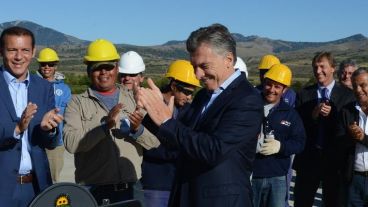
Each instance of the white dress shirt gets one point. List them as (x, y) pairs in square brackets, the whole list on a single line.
[(18, 92), (361, 151)]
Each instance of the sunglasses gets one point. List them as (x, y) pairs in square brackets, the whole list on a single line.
[(106, 67), (181, 89), (48, 64), (129, 75)]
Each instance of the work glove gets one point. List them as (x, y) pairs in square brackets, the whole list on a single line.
[(270, 146)]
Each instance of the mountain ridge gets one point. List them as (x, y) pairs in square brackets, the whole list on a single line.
[(296, 54), (62, 38)]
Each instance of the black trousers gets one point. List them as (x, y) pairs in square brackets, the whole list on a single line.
[(308, 180)]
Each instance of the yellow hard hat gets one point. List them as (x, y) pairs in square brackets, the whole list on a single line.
[(267, 62), (101, 50), (47, 55), (182, 71), (280, 73)]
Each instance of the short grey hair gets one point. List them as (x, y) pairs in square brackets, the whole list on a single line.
[(217, 36), (346, 63), (359, 71)]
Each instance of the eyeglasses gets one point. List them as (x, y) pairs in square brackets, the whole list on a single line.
[(186, 92), (48, 64)]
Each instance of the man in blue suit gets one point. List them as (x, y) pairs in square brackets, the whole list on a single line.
[(217, 136), (28, 121)]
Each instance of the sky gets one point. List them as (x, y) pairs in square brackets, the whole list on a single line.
[(154, 22)]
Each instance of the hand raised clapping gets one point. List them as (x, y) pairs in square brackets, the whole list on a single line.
[(51, 120), (151, 100)]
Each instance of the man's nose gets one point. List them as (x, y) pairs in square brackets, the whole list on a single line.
[(199, 73), (18, 55)]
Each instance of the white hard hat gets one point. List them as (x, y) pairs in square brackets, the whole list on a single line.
[(240, 64), (131, 63)]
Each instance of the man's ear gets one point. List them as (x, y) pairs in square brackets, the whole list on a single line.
[(284, 90), (141, 78), (34, 52), (229, 58), (172, 86)]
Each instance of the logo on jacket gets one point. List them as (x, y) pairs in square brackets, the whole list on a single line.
[(63, 200), (286, 123), (58, 92)]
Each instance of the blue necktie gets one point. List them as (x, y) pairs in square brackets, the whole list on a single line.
[(324, 95), (321, 121)]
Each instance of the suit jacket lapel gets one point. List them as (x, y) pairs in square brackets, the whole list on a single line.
[(32, 91), (334, 93), (197, 113), (356, 115), (314, 94), (221, 100), (6, 98)]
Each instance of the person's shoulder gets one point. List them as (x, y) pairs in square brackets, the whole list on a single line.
[(284, 106), (81, 98), (349, 107), (65, 86), (344, 93), (85, 94), (38, 81), (36, 78), (246, 93), (348, 111), (290, 91), (343, 89), (124, 91), (244, 85), (307, 91), (309, 88)]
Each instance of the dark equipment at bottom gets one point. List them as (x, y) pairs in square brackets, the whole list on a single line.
[(73, 195)]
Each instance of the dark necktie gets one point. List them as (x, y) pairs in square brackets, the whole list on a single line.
[(324, 95), (321, 122), (202, 108)]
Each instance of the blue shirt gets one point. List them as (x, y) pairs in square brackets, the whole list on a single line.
[(18, 92), (62, 97), (112, 100), (223, 86)]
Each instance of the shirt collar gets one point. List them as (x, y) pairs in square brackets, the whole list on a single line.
[(228, 81), (329, 86), (359, 108), (362, 115), (9, 78)]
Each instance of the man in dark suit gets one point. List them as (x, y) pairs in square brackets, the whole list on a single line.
[(28, 121), (352, 130), (318, 106), (217, 136)]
